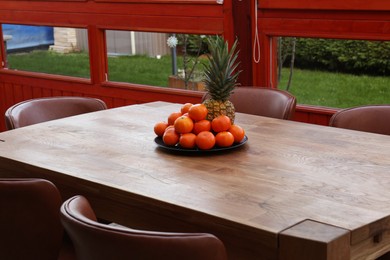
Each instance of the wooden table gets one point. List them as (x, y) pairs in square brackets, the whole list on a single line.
[(293, 191)]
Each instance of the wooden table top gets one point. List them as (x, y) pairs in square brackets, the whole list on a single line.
[(287, 173)]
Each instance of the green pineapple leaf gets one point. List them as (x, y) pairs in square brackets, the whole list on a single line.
[(221, 73)]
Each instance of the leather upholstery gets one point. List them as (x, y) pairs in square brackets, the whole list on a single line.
[(267, 102), (93, 240), (30, 226), (44, 109), (373, 118)]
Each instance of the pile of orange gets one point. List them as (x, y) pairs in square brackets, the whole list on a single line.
[(190, 129)]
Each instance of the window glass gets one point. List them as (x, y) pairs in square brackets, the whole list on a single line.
[(53, 50), (157, 59), (335, 73)]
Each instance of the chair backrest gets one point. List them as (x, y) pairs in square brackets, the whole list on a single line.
[(30, 226), (93, 240), (39, 110), (267, 102), (373, 118)]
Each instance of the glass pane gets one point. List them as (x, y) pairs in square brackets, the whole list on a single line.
[(157, 59), (335, 73), (53, 50)]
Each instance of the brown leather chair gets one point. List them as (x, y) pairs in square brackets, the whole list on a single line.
[(93, 240), (373, 118), (30, 226), (39, 110), (267, 102)]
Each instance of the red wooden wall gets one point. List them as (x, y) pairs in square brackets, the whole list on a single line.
[(201, 16), (348, 19)]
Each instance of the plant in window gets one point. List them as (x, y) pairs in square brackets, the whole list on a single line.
[(192, 47)]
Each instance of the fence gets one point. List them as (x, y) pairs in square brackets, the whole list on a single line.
[(129, 42)]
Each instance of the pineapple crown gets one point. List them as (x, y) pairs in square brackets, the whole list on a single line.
[(221, 72)]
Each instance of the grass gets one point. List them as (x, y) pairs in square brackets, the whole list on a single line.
[(140, 69), (337, 89), (310, 87), (72, 64)]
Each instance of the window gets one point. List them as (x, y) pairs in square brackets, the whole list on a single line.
[(45, 49), (157, 59), (335, 73)]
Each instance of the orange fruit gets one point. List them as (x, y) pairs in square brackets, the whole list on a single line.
[(184, 109), (187, 140), (170, 137), (205, 140), (183, 124), (202, 125), (221, 123), (238, 132), (169, 128), (197, 112), (172, 117), (159, 128), (224, 139)]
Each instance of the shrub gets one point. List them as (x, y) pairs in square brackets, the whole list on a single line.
[(347, 56)]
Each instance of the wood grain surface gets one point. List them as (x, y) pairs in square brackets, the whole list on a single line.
[(287, 175)]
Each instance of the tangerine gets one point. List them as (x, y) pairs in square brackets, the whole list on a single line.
[(187, 140), (221, 123), (224, 139), (202, 125), (172, 117), (184, 109), (183, 124), (238, 133), (169, 128), (170, 137), (197, 112), (205, 140), (159, 128)]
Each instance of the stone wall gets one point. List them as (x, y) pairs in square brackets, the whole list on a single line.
[(65, 40)]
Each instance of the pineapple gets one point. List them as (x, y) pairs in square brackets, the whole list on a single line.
[(220, 78)]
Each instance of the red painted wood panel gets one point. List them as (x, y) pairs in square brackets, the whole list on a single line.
[(189, 8), (243, 12), (352, 19), (326, 4), (114, 94), (327, 28), (348, 19), (205, 16), (314, 115)]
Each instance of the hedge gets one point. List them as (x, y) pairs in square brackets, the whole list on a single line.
[(347, 56)]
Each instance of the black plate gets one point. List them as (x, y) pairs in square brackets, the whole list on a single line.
[(177, 147)]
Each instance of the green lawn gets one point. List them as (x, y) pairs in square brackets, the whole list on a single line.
[(310, 87), (336, 89), (140, 69), (72, 64)]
